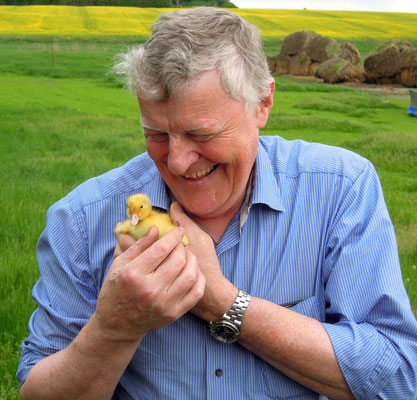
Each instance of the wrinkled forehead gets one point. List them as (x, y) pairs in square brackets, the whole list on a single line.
[(178, 86)]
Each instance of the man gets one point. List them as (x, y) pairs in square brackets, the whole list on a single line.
[(292, 256)]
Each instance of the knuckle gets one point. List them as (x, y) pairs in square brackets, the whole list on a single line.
[(200, 288), (161, 310), (163, 247), (127, 277), (146, 296), (171, 315), (179, 259), (190, 279)]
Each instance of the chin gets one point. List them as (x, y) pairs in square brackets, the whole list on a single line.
[(201, 210), (207, 209)]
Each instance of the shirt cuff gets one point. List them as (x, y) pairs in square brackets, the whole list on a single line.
[(367, 358)]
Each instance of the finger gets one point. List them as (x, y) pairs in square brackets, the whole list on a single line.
[(154, 255), (176, 212), (188, 301), (138, 247), (124, 240), (171, 267), (194, 294), (117, 251), (186, 277), (179, 217)]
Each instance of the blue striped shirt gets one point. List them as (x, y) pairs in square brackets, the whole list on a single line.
[(317, 236)]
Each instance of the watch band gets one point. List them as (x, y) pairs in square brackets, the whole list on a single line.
[(235, 314), (227, 329)]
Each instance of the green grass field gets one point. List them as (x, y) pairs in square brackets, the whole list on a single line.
[(63, 119)]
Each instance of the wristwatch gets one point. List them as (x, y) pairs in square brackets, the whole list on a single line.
[(227, 328)]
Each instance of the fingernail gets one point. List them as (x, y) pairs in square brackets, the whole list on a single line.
[(177, 207)]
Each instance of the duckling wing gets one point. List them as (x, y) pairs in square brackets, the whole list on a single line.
[(164, 223), (142, 228), (123, 227)]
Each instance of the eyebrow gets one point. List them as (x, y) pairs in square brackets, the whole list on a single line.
[(149, 127), (217, 127)]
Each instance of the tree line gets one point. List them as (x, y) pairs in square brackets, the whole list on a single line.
[(122, 3)]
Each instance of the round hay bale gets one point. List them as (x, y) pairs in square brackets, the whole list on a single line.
[(321, 48), (337, 69), (296, 43), (409, 76), (279, 64), (301, 64), (410, 59), (387, 61), (350, 53)]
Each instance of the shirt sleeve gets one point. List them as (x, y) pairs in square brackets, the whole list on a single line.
[(368, 317), (66, 293)]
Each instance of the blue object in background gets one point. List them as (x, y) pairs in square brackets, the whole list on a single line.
[(412, 110)]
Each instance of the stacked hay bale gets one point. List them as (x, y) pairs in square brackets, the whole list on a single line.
[(307, 53), (392, 63)]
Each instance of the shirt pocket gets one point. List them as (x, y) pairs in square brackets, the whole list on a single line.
[(310, 307), (278, 385)]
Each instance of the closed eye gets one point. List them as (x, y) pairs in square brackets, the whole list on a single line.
[(200, 137), (156, 137)]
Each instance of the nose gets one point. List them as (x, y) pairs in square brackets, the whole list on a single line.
[(181, 155)]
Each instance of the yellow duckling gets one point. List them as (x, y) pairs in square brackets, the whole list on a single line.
[(143, 218)]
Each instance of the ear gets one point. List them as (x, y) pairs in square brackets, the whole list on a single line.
[(264, 106)]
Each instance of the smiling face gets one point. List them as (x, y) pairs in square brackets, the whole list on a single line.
[(204, 144)]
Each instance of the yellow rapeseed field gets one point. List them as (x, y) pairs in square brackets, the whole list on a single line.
[(130, 21)]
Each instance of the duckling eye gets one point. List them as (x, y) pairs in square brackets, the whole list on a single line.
[(141, 206)]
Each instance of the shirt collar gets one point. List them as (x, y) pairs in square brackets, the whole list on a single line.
[(160, 194), (265, 188)]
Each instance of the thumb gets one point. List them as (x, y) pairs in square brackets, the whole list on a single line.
[(176, 212), (178, 215), (192, 230)]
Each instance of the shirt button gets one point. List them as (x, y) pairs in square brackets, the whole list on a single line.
[(219, 372)]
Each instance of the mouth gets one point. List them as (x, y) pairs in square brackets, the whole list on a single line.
[(200, 174)]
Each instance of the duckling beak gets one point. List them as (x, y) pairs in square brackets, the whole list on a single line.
[(134, 219)]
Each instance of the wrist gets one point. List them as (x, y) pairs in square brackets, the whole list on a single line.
[(218, 302), (227, 302), (227, 328), (92, 339)]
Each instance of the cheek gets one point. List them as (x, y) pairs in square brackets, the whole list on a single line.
[(157, 150), (220, 151)]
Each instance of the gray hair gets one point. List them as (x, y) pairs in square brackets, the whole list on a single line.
[(186, 43)]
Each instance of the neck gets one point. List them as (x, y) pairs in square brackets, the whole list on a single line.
[(215, 227)]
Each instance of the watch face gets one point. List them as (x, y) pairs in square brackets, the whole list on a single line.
[(224, 331)]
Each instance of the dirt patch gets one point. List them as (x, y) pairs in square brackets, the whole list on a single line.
[(378, 89)]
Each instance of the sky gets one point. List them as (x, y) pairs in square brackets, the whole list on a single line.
[(409, 6)]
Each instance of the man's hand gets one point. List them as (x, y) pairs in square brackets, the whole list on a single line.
[(149, 285), (219, 293)]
